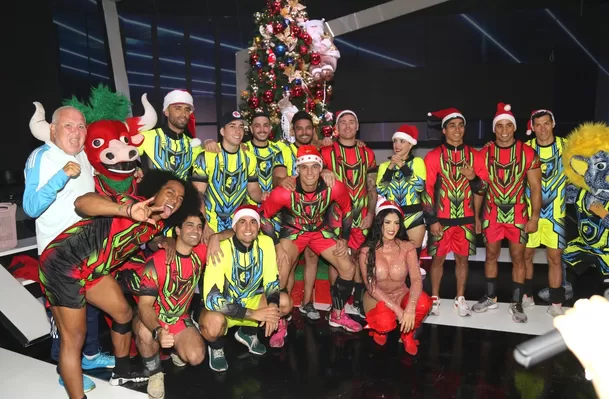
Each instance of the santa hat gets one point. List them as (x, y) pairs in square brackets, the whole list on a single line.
[(539, 111), (342, 113), (386, 204), (308, 153), (504, 112), (447, 114), (245, 210), (178, 97), (408, 133)]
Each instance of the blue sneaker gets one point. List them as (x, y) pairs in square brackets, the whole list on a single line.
[(103, 360), (87, 383)]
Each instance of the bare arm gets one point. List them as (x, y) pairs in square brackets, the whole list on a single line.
[(372, 193), (201, 188), (145, 309), (375, 293), (279, 173), (478, 200), (255, 192), (534, 180), (92, 204)]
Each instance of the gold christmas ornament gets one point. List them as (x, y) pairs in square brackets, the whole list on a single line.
[(245, 94)]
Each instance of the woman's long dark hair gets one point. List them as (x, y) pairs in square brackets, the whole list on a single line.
[(374, 241)]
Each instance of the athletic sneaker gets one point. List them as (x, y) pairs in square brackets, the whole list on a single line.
[(176, 360), (278, 338), (462, 307), (544, 294), (527, 301), (309, 311), (251, 341), (435, 306), (555, 310), (87, 383), (133, 376), (355, 310), (156, 386), (344, 321), (423, 273), (217, 360), (102, 360), (517, 312), (485, 303)]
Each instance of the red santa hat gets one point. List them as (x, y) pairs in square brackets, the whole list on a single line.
[(387, 204), (539, 111), (408, 133), (245, 210), (504, 112), (308, 153), (447, 114), (178, 97), (342, 113)]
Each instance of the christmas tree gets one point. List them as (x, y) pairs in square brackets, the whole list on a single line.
[(292, 62)]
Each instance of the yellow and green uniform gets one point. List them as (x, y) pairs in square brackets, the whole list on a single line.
[(404, 186), (286, 158), (166, 150), (227, 176), (551, 228), (238, 282), (265, 161), (591, 247)]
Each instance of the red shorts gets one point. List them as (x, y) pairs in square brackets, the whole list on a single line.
[(498, 231), (460, 240), (182, 324), (314, 240), (356, 239)]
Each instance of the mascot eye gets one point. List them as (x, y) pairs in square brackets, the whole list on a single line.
[(601, 166), (124, 139), (97, 143)]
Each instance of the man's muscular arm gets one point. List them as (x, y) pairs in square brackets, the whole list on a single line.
[(534, 180), (372, 198)]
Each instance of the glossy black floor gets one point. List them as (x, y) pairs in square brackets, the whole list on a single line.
[(320, 362)]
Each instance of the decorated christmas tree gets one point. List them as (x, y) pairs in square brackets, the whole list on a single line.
[(292, 62)]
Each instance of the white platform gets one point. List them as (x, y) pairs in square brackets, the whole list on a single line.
[(24, 378), (495, 319)]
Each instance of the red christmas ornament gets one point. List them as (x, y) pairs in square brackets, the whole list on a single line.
[(297, 91), (281, 66), (303, 49), (267, 97), (253, 102), (319, 94), (276, 7), (311, 104), (271, 57), (296, 31), (315, 58), (254, 58), (277, 28), (307, 38), (327, 131)]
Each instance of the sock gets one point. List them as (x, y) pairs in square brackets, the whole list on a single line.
[(358, 293), (557, 295), (490, 287), (341, 290), (518, 292), (528, 287), (123, 365), (218, 344), (249, 330), (153, 363), (90, 357)]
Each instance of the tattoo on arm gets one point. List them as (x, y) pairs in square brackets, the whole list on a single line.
[(371, 181)]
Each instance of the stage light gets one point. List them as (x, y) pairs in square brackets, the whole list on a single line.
[(488, 36)]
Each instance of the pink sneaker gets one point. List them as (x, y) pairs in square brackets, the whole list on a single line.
[(344, 321), (278, 339)]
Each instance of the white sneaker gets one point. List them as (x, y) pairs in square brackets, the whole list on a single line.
[(435, 306), (555, 310), (527, 301), (177, 361), (423, 272), (156, 386), (462, 307)]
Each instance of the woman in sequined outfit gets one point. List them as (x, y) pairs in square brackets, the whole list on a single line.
[(386, 258)]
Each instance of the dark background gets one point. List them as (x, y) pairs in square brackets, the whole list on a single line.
[(465, 54)]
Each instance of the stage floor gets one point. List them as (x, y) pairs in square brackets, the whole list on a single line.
[(458, 358)]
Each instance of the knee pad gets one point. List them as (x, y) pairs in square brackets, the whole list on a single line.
[(122, 328)]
